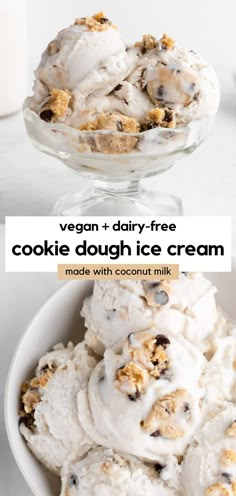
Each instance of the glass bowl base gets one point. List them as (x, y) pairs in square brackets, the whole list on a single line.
[(121, 199)]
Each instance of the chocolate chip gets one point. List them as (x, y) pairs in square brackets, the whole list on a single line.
[(148, 125), (186, 407), (161, 298), (153, 285), (192, 51), (130, 337), (27, 421), (155, 434), (192, 86), (46, 115), (119, 126), (135, 396), (228, 477), (162, 340), (196, 97), (73, 480), (168, 115), (103, 20), (165, 374), (118, 87), (158, 467), (161, 91)]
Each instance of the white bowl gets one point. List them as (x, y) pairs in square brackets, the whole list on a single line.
[(59, 321)]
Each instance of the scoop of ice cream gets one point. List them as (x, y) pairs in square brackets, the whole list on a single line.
[(104, 472), (221, 375), (148, 396), (49, 420), (210, 465), (86, 58), (115, 309), (175, 78), (183, 307)]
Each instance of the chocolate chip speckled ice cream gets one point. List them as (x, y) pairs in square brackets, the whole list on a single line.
[(49, 420), (184, 307), (148, 396), (210, 465), (90, 80), (104, 472)]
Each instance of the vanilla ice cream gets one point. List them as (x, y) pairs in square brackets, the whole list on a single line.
[(183, 307), (49, 420), (145, 400), (175, 78), (115, 309), (105, 472), (221, 375), (210, 465)]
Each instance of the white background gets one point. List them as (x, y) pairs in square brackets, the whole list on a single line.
[(30, 182)]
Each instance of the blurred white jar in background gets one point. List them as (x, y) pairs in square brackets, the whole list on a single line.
[(13, 55)]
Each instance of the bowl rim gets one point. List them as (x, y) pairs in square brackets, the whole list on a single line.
[(31, 115), (6, 395)]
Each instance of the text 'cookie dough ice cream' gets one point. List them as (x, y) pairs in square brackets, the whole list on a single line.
[(49, 420), (183, 307), (146, 399), (90, 80), (104, 472), (210, 465)]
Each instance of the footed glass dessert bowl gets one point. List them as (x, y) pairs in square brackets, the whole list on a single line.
[(117, 162)]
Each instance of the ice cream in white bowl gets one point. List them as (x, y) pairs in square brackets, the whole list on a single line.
[(59, 321)]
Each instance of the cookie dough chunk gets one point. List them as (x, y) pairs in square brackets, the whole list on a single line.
[(168, 42), (114, 122), (56, 107), (97, 22), (163, 420), (113, 143), (159, 117)]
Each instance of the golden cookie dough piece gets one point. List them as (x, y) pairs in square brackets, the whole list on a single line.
[(228, 458), (148, 42), (150, 352), (97, 22), (162, 418), (217, 489), (53, 48), (132, 379), (168, 42), (159, 117), (113, 143), (56, 107), (113, 122)]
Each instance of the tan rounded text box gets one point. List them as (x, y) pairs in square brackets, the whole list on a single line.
[(113, 271)]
